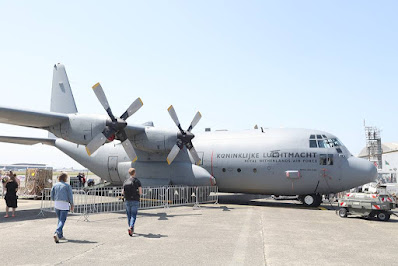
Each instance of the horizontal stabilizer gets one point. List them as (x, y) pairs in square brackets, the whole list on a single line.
[(30, 118), (27, 141)]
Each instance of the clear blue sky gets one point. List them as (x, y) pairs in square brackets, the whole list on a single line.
[(324, 65)]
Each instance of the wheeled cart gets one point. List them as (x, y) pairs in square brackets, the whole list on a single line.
[(366, 205)]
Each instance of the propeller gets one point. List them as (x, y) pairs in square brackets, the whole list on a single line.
[(114, 129), (183, 137)]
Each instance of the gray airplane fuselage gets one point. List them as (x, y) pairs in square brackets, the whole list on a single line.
[(272, 161)]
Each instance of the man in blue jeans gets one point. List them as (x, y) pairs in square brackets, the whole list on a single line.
[(62, 195), (132, 190)]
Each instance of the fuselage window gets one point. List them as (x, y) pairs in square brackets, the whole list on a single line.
[(313, 143), (254, 170), (324, 136), (239, 170), (224, 170), (339, 150), (322, 159)]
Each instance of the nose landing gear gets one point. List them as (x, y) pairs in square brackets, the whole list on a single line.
[(311, 200)]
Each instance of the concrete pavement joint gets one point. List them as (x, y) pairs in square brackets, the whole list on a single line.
[(81, 254), (263, 238)]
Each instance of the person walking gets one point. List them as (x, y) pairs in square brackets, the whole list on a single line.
[(11, 195), (132, 190), (62, 195)]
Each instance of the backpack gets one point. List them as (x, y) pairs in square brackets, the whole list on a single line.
[(131, 189)]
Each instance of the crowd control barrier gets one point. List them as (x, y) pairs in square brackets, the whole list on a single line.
[(110, 199)]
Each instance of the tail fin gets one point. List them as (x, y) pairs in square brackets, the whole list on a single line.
[(62, 100)]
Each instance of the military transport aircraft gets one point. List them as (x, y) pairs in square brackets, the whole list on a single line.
[(301, 162)]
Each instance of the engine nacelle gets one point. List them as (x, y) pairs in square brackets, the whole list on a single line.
[(161, 174), (80, 128), (155, 140)]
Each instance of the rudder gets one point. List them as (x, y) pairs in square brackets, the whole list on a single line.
[(62, 100)]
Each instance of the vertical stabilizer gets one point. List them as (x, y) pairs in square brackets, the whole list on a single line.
[(62, 100)]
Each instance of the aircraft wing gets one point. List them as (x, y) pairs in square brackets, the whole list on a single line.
[(27, 141), (28, 118)]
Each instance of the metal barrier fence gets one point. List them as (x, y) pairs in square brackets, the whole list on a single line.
[(110, 199)]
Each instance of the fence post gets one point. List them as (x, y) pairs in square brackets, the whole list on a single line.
[(196, 206), (166, 191), (41, 204)]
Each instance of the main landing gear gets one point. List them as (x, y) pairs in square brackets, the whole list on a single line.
[(311, 200)]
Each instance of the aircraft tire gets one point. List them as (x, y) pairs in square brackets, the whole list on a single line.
[(343, 212), (311, 200), (383, 216)]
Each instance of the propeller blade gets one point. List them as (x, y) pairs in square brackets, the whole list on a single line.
[(99, 92), (195, 155), (195, 121), (134, 107), (95, 143), (128, 147), (173, 115), (173, 153)]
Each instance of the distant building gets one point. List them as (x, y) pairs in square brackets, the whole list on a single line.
[(389, 160), (22, 166)]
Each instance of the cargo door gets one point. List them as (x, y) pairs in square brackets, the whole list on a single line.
[(112, 168)]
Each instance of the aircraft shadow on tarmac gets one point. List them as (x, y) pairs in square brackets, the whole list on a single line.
[(266, 201)]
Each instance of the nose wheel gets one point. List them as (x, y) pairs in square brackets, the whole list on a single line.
[(311, 200)]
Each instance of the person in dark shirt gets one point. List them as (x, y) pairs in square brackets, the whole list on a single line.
[(11, 195), (132, 190), (80, 177)]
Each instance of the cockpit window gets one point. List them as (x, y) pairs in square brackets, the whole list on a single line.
[(321, 144), (321, 141), (313, 143), (333, 143)]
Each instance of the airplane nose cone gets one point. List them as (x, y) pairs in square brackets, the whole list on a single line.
[(362, 171)]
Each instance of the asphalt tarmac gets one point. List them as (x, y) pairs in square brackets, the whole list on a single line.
[(240, 230)]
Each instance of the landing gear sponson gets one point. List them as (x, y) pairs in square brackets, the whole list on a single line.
[(311, 200)]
